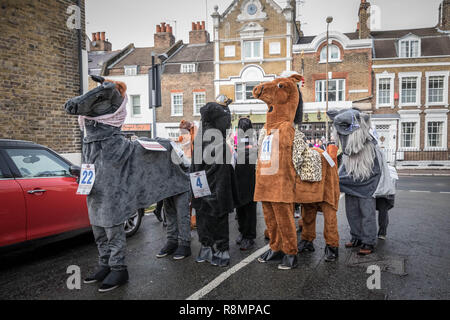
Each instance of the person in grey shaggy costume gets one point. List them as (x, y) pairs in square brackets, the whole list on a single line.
[(363, 175), (127, 176), (212, 210)]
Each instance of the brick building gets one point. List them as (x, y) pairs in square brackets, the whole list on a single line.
[(131, 66), (252, 43), (410, 104), (187, 82), (40, 60), (349, 74)]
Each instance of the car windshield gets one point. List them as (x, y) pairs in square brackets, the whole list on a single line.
[(35, 163)]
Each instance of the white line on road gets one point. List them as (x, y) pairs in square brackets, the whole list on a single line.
[(422, 191), (446, 192), (222, 277)]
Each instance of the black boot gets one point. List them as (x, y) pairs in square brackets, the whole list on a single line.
[(247, 244), (270, 255), (115, 279), (331, 253), (168, 249), (205, 254), (305, 245), (221, 258), (99, 275), (182, 252), (289, 262)]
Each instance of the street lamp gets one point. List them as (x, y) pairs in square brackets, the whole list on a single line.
[(329, 20)]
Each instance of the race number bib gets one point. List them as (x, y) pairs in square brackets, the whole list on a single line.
[(87, 179), (199, 183), (266, 148)]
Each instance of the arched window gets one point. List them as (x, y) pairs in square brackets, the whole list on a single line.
[(334, 53)]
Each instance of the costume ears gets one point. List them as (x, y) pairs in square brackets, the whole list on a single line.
[(332, 114), (121, 86), (297, 78)]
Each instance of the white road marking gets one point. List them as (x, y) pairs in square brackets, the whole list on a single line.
[(423, 191), (446, 192), (223, 276)]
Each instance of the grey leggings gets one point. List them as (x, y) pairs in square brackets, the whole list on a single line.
[(111, 244)]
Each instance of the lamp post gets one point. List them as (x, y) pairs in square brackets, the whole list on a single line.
[(329, 20)]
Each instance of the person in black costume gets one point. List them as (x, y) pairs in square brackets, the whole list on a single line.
[(245, 176), (212, 210)]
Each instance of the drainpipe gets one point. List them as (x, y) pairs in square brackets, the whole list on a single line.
[(80, 72)]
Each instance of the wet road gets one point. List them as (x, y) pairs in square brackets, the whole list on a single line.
[(415, 261)]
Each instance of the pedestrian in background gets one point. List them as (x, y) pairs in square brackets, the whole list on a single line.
[(245, 176)]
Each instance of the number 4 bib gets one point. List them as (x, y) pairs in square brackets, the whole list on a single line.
[(87, 178), (199, 183)]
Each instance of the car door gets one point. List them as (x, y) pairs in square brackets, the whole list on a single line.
[(13, 220), (53, 206)]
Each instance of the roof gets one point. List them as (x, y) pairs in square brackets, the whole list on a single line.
[(433, 42), (200, 54), (140, 57), (96, 59)]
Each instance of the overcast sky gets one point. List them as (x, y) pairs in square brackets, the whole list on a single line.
[(134, 21)]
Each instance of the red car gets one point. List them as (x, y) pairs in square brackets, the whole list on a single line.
[(38, 195)]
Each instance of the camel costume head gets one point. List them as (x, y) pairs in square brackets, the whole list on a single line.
[(283, 98)]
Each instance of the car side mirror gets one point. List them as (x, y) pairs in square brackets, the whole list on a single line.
[(75, 171)]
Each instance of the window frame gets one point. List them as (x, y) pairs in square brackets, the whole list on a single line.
[(134, 68), (391, 77), (418, 76), (324, 91), (172, 108), (135, 115), (229, 51), (409, 116), (261, 51), (409, 40), (244, 91), (194, 104), (430, 74), (188, 68), (436, 115), (330, 59)]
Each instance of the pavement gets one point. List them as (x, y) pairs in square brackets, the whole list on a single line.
[(414, 262)]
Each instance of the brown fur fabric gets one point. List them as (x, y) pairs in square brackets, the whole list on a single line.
[(280, 189)]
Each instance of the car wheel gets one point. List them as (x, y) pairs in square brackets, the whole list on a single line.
[(133, 223)]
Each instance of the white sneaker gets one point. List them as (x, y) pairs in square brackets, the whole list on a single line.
[(381, 237)]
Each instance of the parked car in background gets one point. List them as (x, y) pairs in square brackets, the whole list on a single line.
[(38, 195)]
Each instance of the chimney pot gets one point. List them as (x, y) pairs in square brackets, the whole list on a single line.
[(103, 36), (158, 28), (203, 25), (98, 36), (199, 26), (169, 30), (193, 26), (94, 36)]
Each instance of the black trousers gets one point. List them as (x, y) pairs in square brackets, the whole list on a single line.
[(246, 216), (213, 230)]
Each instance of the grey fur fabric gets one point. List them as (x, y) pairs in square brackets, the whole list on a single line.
[(128, 177)]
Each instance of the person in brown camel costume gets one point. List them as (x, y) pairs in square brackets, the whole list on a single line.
[(277, 185)]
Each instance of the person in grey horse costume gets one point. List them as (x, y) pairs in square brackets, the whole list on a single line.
[(127, 177), (363, 176)]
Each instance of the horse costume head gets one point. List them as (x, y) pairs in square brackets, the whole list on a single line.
[(283, 98), (351, 128), (216, 115), (105, 99)]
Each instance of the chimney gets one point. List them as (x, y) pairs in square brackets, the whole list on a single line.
[(100, 43), (364, 20), (444, 15), (198, 34), (163, 37)]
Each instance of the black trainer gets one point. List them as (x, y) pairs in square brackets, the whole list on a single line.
[(289, 262), (158, 215), (115, 279), (366, 249), (354, 243), (182, 252), (247, 244), (99, 275), (168, 249), (331, 253), (270, 255), (306, 245)]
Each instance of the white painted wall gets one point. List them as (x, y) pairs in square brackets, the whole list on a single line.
[(136, 85)]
